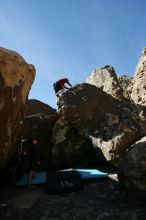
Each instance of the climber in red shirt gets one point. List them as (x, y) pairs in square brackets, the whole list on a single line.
[(60, 85)]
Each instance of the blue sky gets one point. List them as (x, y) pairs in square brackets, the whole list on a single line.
[(69, 38)]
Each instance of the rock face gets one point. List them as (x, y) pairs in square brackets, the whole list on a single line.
[(111, 125), (39, 121), (132, 169), (102, 119), (34, 106), (16, 78), (106, 79), (70, 149), (139, 83), (126, 84)]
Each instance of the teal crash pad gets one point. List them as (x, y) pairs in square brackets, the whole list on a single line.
[(39, 178), (91, 173)]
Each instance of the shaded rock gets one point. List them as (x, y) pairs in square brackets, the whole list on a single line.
[(111, 125), (138, 94), (39, 125), (132, 169), (34, 106), (126, 84), (70, 149), (16, 78), (106, 79)]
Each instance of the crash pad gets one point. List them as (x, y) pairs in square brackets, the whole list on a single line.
[(38, 178), (91, 173)]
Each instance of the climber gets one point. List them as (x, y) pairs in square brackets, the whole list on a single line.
[(59, 86), (33, 160)]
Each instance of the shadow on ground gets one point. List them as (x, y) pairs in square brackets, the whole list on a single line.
[(99, 200)]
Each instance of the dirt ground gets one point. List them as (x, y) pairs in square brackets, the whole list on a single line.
[(101, 199)]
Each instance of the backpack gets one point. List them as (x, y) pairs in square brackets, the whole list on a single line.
[(54, 85), (63, 181)]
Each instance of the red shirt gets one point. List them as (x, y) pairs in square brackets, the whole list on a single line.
[(61, 82)]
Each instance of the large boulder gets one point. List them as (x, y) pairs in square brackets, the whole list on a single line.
[(70, 149), (126, 84), (132, 169), (34, 106), (111, 125), (106, 79), (16, 78), (138, 94), (39, 121)]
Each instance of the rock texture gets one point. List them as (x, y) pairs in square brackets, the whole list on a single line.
[(126, 84), (70, 149), (106, 79), (139, 82), (16, 78), (39, 121), (111, 125), (132, 169)]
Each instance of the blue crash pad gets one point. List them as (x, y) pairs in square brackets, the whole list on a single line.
[(91, 173), (39, 178)]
